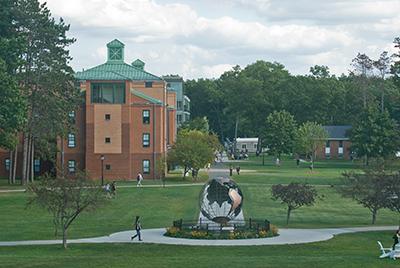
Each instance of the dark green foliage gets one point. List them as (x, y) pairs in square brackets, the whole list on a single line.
[(45, 75), (376, 135), (12, 103), (294, 195)]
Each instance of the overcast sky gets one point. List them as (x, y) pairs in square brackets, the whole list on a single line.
[(204, 38)]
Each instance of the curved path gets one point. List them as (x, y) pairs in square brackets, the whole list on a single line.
[(287, 236)]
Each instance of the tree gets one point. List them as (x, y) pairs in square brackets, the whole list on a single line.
[(383, 67), (393, 192), (362, 65), (294, 195), (280, 133), (12, 109), (395, 67), (320, 71), (197, 123), (309, 137), (66, 199), (375, 135), (368, 189), (12, 102), (192, 150), (46, 81)]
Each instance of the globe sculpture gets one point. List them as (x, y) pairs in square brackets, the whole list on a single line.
[(220, 200)]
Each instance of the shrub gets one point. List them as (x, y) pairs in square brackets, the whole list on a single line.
[(198, 234), (172, 231), (274, 230)]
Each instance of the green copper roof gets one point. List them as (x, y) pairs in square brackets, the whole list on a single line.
[(115, 68), (115, 71), (146, 97), (115, 43), (138, 64)]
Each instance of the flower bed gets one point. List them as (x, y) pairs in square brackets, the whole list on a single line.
[(224, 234)]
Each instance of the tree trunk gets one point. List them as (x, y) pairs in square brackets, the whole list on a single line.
[(374, 211), (288, 215), (64, 238), (14, 173), (10, 169), (184, 173), (32, 159), (236, 130), (24, 160), (28, 161), (312, 162)]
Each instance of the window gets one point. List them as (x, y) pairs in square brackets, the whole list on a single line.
[(115, 53), (108, 93), (71, 140), (107, 117), (71, 116), (328, 149), (7, 163), (36, 165), (108, 167), (71, 166), (243, 146), (179, 118), (148, 84), (340, 149), (255, 145), (146, 116), (179, 105), (146, 139), (107, 140), (146, 166)]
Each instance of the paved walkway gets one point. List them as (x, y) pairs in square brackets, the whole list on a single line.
[(287, 236)]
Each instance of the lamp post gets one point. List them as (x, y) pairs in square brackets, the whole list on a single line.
[(102, 169)]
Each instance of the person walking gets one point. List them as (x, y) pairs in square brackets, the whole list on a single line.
[(238, 170), (230, 170), (113, 189), (396, 239), (139, 179), (138, 227)]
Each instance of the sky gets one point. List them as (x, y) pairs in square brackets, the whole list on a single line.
[(204, 38)]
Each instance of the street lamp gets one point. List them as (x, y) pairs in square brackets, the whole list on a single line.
[(102, 169)]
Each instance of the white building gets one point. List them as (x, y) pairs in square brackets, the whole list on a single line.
[(249, 144)]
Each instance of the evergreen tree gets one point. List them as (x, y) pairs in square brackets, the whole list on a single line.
[(46, 80)]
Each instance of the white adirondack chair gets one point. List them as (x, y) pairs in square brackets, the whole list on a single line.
[(389, 252)]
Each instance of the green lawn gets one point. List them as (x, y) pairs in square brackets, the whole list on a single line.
[(350, 250), (160, 206)]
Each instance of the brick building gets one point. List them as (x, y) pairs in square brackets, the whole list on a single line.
[(128, 119), (337, 145)]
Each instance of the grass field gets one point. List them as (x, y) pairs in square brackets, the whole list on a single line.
[(350, 250), (160, 206)]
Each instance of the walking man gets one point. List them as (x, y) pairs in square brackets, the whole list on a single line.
[(238, 170), (138, 227), (139, 179), (230, 170)]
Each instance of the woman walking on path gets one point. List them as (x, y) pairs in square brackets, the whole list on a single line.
[(138, 227), (139, 179)]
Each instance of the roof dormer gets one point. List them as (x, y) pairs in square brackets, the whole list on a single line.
[(115, 51)]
